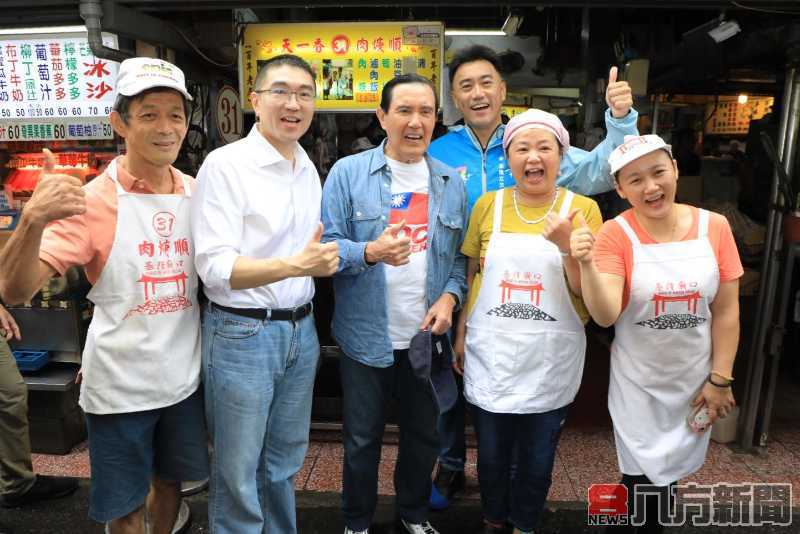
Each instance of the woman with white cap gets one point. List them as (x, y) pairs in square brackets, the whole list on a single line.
[(523, 334), (666, 276)]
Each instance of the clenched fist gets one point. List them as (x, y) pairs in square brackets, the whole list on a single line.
[(618, 95), (56, 196), (391, 248)]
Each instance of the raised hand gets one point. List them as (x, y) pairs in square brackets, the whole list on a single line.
[(56, 196), (317, 258), (618, 95), (581, 241), (391, 248), (557, 230)]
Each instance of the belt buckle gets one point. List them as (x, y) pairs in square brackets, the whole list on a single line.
[(296, 313)]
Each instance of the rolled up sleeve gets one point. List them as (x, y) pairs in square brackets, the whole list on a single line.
[(217, 222)]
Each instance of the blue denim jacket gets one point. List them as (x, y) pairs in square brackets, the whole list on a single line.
[(356, 202)]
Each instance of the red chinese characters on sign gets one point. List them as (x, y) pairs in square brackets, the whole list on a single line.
[(287, 45), (98, 91), (318, 45), (395, 44), (340, 44), (377, 44), (98, 68), (362, 45)]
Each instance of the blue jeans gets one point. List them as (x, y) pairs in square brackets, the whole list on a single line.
[(450, 425), (259, 379), (534, 437), (366, 391)]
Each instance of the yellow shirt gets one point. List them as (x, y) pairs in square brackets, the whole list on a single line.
[(481, 222)]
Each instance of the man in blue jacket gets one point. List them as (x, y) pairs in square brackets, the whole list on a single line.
[(398, 217), (475, 150)]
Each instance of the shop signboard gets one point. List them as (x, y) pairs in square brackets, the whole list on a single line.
[(53, 88), (228, 113), (351, 62)]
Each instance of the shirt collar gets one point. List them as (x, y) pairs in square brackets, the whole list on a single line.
[(133, 184), (265, 154)]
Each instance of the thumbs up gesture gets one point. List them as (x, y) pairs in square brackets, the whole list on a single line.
[(557, 230), (317, 258), (392, 247), (581, 241), (56, 196), (618, 95)]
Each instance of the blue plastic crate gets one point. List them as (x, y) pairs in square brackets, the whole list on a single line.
[(8, 219), (31, 360)]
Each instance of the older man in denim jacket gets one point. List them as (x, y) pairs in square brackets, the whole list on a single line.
[(398, 217)]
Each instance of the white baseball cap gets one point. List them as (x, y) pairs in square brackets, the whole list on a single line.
[(634, 147), (138, 74)]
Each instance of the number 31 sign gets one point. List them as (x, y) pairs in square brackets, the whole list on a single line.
[(229, 114)]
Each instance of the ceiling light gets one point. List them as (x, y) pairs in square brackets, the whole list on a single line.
[(742, 98), (512, 24), (45, 29), (725, 30), (474, 32)]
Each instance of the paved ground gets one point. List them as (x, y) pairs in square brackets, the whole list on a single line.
[(318, 513)]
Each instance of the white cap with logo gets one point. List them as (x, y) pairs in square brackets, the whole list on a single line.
[(634, 147), (141, 73)]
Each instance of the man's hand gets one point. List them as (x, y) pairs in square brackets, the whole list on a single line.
[(391, 248), (618, 95), (581, 242), (557, 230), (8, 326), (317, 259), (56, 196), (718, 401), (440, 317)]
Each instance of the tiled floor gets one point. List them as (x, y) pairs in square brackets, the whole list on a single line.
[(585, 456)]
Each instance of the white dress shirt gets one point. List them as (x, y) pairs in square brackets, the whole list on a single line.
[(250, 202)]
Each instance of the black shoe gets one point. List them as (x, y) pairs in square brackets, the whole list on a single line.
[(45, 487), (449, 483)]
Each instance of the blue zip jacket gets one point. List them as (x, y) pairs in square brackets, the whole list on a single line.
[(356, 201), (585, 173)]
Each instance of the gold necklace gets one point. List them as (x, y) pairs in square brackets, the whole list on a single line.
[(540, 219)]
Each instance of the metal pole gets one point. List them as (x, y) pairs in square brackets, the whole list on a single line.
[(764, 304), (656, 106)]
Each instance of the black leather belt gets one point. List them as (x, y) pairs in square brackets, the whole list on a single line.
[(273, 314)]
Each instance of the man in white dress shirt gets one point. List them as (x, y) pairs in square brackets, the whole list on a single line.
[(256, 225)]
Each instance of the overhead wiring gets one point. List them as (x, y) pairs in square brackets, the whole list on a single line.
[(764, 10), (201, 54)]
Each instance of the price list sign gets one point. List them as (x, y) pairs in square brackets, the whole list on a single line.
[(53, 88)]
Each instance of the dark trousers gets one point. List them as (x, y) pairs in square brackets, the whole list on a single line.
[(16, 474), (453, 450), (366, 391), (529, 442), (649, 502)]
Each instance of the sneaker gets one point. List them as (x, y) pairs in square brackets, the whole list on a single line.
[(419, 528), (446, 486), (45, 487), (348, 530), (182, 522)]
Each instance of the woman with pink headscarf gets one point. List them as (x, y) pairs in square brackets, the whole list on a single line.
[(523, 333)]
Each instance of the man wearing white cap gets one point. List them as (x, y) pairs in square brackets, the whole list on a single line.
[(129, 228)]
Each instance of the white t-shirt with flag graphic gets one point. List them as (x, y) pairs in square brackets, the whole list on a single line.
[(406, 283)]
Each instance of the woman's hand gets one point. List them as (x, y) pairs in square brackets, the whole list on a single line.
[(581, 242), (719, 401), (458, 354), (557, 230)]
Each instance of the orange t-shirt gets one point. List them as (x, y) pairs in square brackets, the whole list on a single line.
[(86, 239), (613, 251)]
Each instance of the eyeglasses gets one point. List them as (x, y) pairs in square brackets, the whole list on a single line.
[(284, 95)]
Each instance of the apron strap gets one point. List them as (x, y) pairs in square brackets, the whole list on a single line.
[(498, 211), (627, 229), (702, 223), (111, 170), (566, 204)]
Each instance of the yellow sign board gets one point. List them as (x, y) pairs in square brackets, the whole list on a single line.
[(352, 62)]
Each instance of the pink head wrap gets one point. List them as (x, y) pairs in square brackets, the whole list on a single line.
[(535, 118)]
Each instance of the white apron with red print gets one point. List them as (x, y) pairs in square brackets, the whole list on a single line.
[(143, 346), (525, 343), (661, 356)]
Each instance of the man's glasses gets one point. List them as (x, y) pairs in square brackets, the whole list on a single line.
[(282, 94)]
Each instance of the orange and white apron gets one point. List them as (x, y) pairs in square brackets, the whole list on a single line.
[(143, 346), (525, 342), (661, 356)]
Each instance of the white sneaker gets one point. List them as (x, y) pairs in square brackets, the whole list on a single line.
[(419, 528), (350, 531)]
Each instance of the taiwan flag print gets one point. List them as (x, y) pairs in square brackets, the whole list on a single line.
[(413, 207)]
